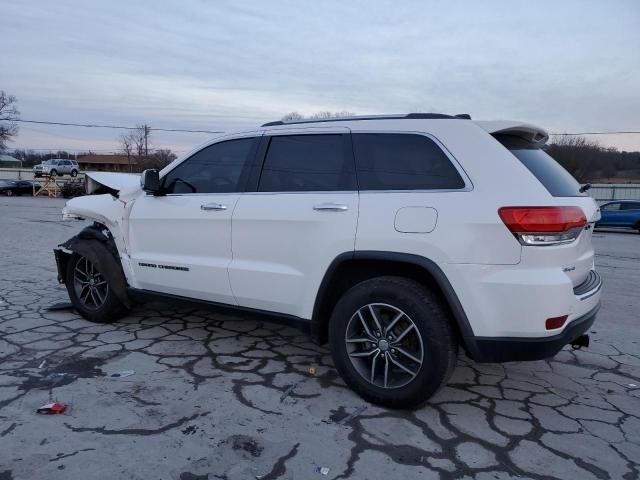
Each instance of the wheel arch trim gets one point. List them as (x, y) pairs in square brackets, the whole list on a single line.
[(431, 267)]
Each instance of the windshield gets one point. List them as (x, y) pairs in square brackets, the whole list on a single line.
[(550, 173), (50, 162)]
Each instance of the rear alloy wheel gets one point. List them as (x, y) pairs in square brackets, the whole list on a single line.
[(392, 341), (9, 193), (90, 292), (384, 345), (74, 173)]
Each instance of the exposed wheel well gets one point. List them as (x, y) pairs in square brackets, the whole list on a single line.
[(351, 271)]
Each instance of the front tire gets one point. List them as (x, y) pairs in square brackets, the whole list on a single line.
[(90, 293), (392, 341), (9, 193), (54, 173)]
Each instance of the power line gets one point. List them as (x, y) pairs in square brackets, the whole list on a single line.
[(594, 133), (120, 127)]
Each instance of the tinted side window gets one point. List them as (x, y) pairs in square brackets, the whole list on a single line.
[(304, 163), (218, 168), (611, 207), (631, 206), (401, 161)]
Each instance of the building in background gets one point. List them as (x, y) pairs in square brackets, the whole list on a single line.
[(7, 161), (109, 163)]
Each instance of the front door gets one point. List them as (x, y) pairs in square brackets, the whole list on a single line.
[(180, 240), (301, 217)]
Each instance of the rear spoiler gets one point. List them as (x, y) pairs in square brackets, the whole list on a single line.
[(525, 134)]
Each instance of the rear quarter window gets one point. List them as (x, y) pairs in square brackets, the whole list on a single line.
[(549, 173), (402, 161)]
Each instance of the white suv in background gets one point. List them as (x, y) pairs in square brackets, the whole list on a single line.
[(397, 239), (55, 167)]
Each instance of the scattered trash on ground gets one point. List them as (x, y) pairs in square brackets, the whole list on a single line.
[(122, 374), (51, 408), (323, 470), (348, 418), (312, 370), (60, 306), (42, 364)]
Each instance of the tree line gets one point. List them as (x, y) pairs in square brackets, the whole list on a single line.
[(588, 161)]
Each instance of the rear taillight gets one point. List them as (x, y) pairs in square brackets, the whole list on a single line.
[(544, 225)]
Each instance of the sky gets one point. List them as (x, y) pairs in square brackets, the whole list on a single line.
[(569, 66)]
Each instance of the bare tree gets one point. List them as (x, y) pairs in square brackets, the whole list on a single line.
[(126, 144), (139, 138), (326, 114), (158, 159), (292, 117), (8, 115)]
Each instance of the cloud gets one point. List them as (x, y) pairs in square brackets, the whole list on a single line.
[(226, 65)]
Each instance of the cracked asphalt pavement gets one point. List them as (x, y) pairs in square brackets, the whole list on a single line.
[(220, 397)]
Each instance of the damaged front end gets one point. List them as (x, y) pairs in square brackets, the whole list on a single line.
[(97, 245), (104, 244)]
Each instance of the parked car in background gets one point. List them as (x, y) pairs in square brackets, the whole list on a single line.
[(16, 187), (620, 213), (54, 167)]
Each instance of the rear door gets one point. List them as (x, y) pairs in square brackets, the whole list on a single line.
[(180, 241), (301, 216)]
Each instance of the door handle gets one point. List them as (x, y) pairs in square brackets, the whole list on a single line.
[(331, 207), (213, 206)]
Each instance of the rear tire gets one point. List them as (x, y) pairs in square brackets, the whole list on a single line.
[(90, 293), (9, 193), (74, 173), (392, 341)]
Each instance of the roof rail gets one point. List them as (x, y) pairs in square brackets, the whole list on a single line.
[(423, 116)]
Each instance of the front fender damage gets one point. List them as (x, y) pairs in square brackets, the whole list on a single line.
[(97, 245)]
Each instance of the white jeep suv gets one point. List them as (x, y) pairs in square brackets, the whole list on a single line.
[(397, 239)]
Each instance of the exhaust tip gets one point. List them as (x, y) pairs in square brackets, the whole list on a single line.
[(581, 342)]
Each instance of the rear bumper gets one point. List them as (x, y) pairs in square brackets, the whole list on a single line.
[(515, 349)]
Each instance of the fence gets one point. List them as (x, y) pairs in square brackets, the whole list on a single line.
[(604, 192), (20, 174)]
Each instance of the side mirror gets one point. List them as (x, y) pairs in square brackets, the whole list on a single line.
[(150, 180)]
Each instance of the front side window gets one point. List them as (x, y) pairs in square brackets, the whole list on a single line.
[(612, 207), (218, 168), (402, 161), (307, 163)]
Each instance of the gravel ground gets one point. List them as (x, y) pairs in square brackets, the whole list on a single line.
[(218, 397)]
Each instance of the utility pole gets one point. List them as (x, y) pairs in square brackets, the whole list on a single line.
[(147, 130)]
